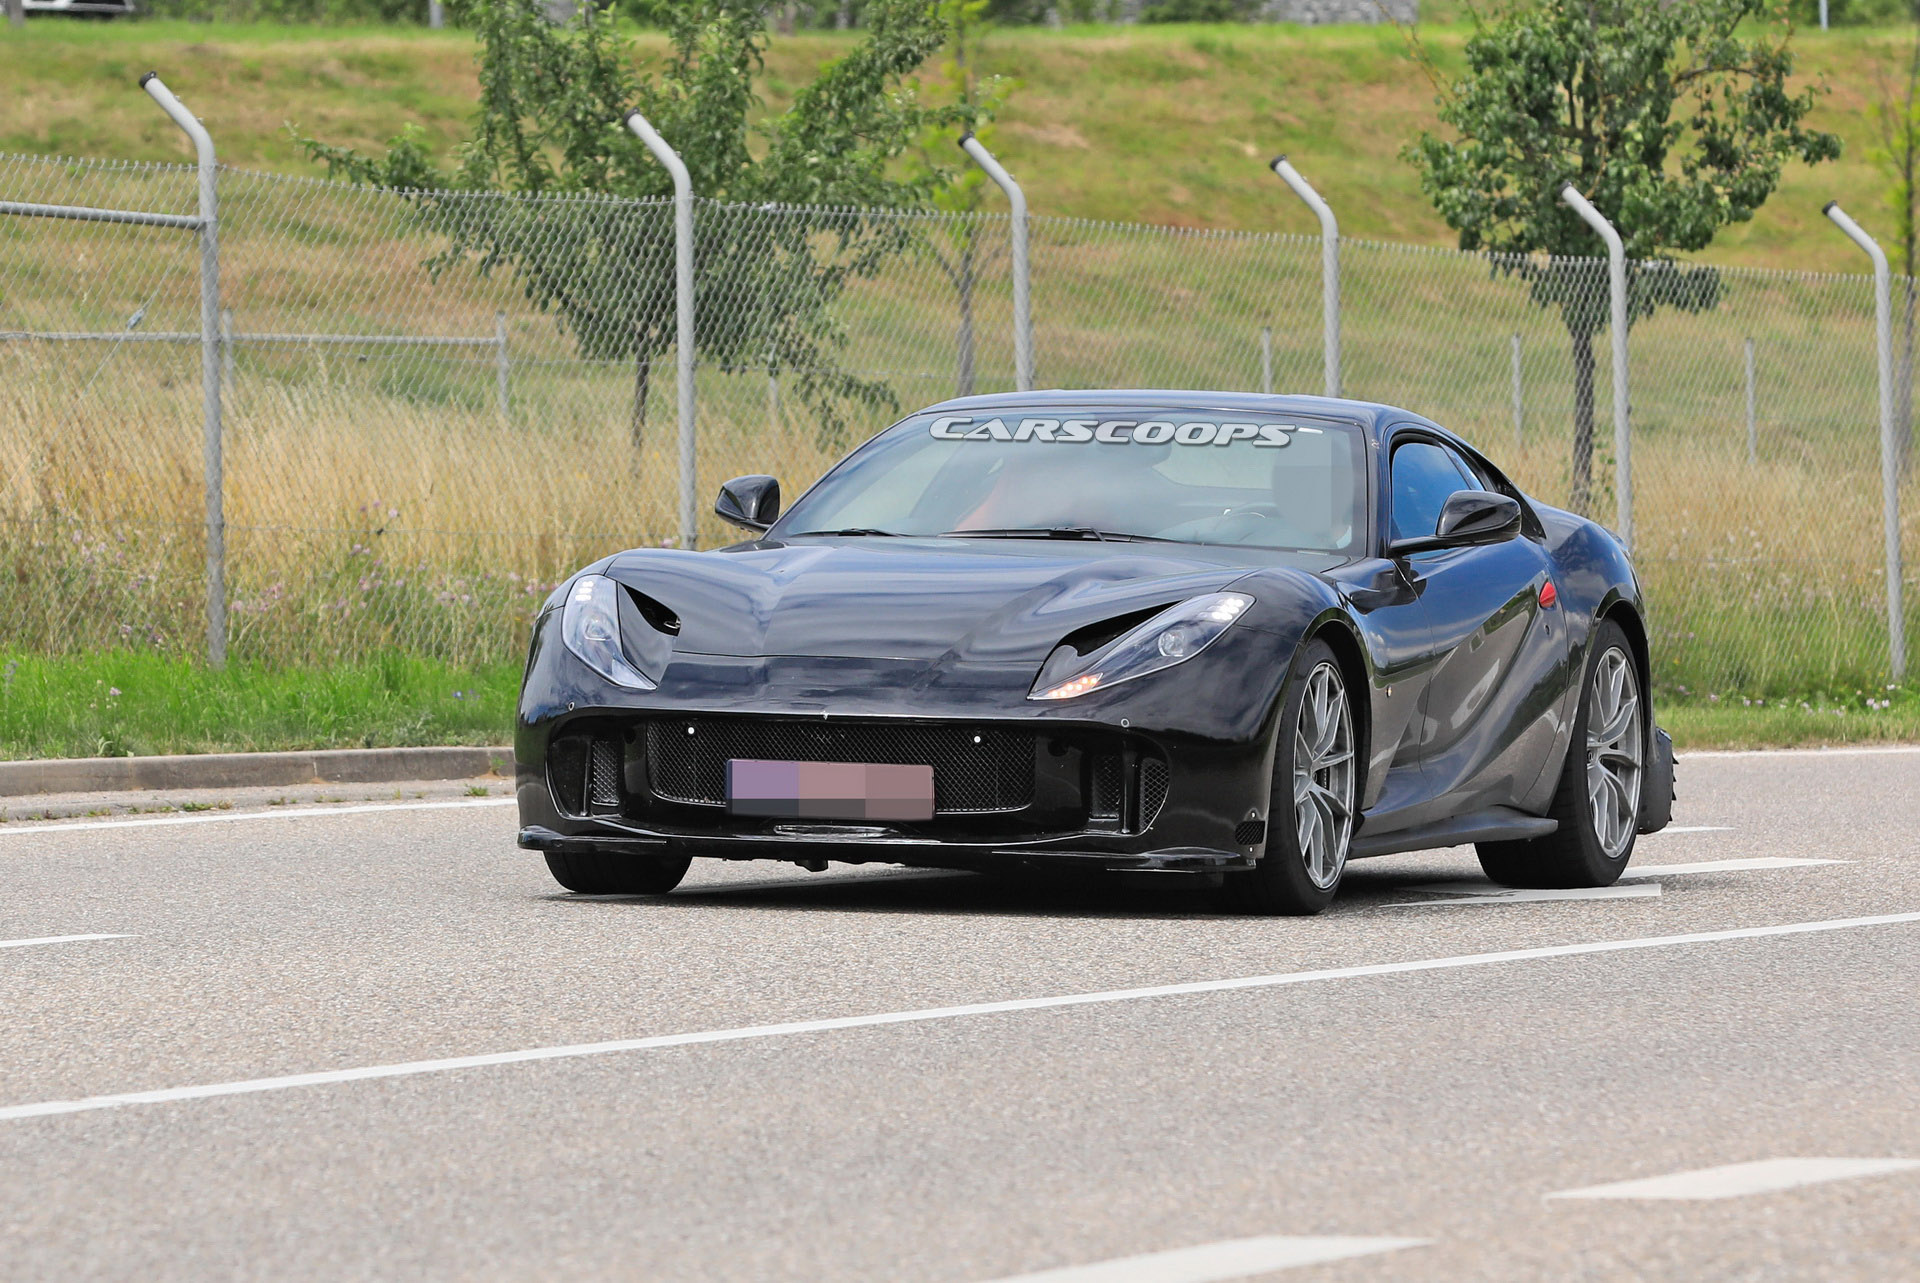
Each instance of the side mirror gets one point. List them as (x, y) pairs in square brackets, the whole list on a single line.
[(1468, 518), (751, 503)]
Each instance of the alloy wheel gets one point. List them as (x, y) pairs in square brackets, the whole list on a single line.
[(1615, 748), (1323, 776)]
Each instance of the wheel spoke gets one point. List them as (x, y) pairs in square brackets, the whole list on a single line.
[(1620, 723)]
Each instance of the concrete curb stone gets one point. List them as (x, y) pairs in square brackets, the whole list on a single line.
[(243, 770)]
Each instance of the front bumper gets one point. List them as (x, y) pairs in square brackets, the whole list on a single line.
[(1170, 774), (823, 844)]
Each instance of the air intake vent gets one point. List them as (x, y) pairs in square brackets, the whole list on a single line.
[(1250, 832), (1104, 798), (567, 772), (603, 780), (1153, 790)]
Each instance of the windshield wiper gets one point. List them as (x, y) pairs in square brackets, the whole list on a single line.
[(1057, 532), (850, 532)]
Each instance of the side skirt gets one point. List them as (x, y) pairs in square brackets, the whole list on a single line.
[(1495, 824)]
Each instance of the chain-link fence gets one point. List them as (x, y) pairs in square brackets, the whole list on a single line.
[(436, 405)]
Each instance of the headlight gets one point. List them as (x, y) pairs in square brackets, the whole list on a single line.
[(590, 626), (1171, 637)]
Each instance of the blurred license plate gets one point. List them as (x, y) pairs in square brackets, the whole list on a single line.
[(829, 790)]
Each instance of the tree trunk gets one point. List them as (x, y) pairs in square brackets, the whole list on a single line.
[(1580, 492), (789, 17), (1903, 387), (964, 284), (844, 18), (642, 384)]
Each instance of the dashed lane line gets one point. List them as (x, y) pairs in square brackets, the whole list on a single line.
[(1637, 882), (1737, 1180), (1234, 1258), (231, 817), (1722, 866), (208, 1091), (21, 944), (1459, 893)]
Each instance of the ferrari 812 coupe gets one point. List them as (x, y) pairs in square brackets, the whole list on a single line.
[(1234, 638)]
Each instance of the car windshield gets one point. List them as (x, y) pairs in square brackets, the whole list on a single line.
[(1188, 476)]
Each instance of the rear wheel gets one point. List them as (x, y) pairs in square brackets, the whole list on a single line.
[(594, 874), (1598, 798), (1310, 816)]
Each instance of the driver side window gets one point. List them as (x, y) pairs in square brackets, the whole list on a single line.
[(1424, 476)]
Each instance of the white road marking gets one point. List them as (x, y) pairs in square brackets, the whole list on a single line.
[(1737, 1180), (1721, 866), (1638, 881), (303, 813), (1494, 893), (1690, 828), (207, 1091), (21, 944), (1234, 1258)]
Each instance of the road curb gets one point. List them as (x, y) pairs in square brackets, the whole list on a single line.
[(251, 770)]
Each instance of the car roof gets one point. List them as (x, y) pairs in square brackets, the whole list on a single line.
[(1371, 415)]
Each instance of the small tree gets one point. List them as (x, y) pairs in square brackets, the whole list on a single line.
[(1662, 114), (1900, 140), (823, 172), (961, 254)]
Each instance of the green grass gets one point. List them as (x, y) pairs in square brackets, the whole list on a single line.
[(120, 703), (127, 703), (1170, 124)]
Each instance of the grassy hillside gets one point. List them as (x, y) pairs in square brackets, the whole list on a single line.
[(1161, 124)]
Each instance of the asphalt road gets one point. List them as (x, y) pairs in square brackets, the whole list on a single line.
[(1404, 1083)]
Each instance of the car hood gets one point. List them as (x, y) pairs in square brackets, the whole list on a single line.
[(970, 600)]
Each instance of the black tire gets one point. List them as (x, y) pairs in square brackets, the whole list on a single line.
[(1578, 854), (617, 874), (1288, 879)]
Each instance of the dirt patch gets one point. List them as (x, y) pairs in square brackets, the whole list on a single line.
[(1052, 134)]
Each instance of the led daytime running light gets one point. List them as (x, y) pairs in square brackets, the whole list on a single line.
[(590, 627), (1171, 637)]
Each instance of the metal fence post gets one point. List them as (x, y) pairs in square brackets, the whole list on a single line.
[(226, 345), (501, 365), (1617, 289), (1266, 359), (1329, 267), (209, 364), (1889, 445), (1022, 298), (683, 312), (1519, 400), (1753, 422)]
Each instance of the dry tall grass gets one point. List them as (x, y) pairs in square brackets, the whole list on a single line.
[(377, 496)]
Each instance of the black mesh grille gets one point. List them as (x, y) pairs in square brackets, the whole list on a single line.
[(974, 770), (1153, 790), (1104, 803), (603, 782), (1250, 832), (567, 772)]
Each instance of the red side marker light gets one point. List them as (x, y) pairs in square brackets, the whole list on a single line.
[(1548, 594)]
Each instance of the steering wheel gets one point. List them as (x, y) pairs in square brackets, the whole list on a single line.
[(1264, 511)]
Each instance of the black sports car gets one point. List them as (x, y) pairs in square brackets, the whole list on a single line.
[(1243, 638)]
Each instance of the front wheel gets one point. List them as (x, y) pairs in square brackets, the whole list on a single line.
[(1315, 778), (594, 874), (1598, 798)]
